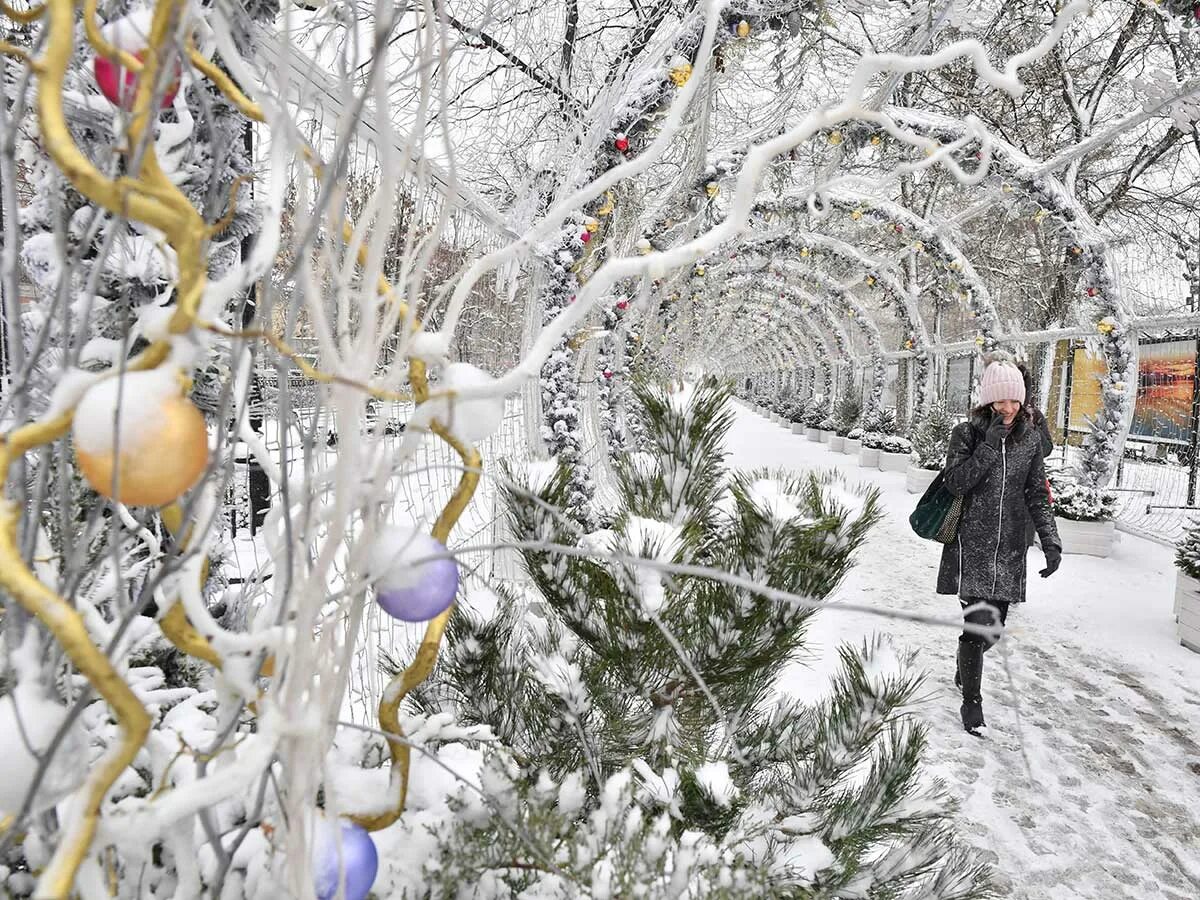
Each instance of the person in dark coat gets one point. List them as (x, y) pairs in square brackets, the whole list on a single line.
[(994, 463)]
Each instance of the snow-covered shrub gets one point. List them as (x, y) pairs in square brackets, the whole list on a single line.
[(855, 434), (873, 440), (931, 438), (849, 410), (882, 422), (893, 443), (1080, 503), (795, 411), (1187, 553), (815, 414)]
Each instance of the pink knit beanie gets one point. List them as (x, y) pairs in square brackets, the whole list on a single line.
[(1001, 381)]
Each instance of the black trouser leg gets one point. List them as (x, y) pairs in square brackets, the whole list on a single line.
[(971, 647)]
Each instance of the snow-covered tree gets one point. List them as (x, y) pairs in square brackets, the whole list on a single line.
[(633, 693), (931, 437)]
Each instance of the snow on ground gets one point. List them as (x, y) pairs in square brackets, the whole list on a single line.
[(1088, 785)]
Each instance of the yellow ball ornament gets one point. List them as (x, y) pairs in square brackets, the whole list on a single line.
[(743, 29), (681, 71), (158, 447)]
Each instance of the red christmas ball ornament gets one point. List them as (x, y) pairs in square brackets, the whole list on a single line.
[(586, 237), (571, 299), (131, 34), (1092, 292), (120, 85), (622, 304), (621, 143), (899, 229), (608, 373)]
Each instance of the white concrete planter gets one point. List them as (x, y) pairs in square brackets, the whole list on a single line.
[(852, 447), (1187, 610), (813, 434), (836, 442), (1089, 538), (893, 462), (868, 457), (919, 479), (797, 428), (826, 436)]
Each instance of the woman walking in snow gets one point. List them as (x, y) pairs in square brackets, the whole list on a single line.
[(995, 464)]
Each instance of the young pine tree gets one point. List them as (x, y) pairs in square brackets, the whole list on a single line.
[(647, 750), (1187, 552), (931, 437)]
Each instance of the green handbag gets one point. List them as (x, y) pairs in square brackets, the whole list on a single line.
[(938, 513)]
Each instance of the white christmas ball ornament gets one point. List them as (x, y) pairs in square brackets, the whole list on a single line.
[(469, 419), (410, 585)]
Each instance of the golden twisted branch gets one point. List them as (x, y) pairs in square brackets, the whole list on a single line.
[(426, 657)]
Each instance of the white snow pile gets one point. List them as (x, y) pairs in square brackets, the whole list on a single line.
[(28, 723), (713, 778), (470, 419), (658, 541), (769, 495)]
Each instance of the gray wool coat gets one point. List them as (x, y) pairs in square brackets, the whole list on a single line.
[(1002, 491)]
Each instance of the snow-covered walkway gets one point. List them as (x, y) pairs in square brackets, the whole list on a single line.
[(1089, 784)]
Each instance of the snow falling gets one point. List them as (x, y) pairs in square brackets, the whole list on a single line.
[(534, 450)]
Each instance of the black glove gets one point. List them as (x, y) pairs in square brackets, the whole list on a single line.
[(1053, 561), (996, 433)]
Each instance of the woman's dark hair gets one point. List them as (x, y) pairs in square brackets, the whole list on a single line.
[(1028, 376)]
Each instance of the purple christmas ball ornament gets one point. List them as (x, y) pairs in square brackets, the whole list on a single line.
[(409, 585), (352, 865)]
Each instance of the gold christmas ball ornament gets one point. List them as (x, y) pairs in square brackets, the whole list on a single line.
[(835, 137), (712, 188), (876, 139), (743, 29), (138, 441), (856, 214), (681, 71)]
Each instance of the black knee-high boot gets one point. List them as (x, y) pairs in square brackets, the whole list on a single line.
[(970, 668)]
